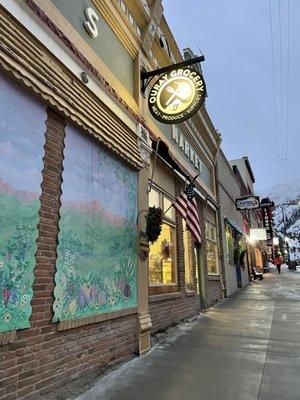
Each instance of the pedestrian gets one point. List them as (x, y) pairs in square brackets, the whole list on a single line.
[(278, 262)]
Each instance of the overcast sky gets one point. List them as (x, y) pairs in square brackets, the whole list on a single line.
[(235, 37)]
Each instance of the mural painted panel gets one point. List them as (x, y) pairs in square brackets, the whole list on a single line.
[(22, 127), (96, 265)]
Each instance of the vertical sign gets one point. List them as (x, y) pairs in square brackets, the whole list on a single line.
[(267, 221)]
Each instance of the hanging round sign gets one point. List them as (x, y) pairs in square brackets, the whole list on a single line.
[(177, 95)]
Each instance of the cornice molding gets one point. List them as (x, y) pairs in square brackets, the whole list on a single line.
[(28, 61), (111, 15)]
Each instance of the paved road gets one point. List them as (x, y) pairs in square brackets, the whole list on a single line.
[(245, 348)]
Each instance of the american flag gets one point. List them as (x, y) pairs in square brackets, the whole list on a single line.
[(186, 205)]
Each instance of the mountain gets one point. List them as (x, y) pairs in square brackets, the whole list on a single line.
[(286, 214), (22, 195), (95, 208)]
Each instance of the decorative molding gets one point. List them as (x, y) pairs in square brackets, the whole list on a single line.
[(7, 337), (93, 319), (119, 27), (25, 58), (130, 19), (151, 28), (145, 144), (155, 298)]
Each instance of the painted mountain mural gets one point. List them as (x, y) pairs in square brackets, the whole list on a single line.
[(22, 127), (96, 265)]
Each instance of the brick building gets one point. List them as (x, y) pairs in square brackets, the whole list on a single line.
[(257, 252), (232, 228), (79, 290)]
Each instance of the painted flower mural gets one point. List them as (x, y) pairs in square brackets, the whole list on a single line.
[(22, 127), (96, 265)]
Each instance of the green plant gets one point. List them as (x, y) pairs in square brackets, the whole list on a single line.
[(153, 223)]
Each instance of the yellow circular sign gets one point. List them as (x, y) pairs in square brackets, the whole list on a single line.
[(177, 95)]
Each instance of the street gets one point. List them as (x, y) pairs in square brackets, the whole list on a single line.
[(244, 348)]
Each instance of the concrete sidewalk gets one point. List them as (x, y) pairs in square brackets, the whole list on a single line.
[(245, 348)]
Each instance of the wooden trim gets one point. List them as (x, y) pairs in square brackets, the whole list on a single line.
[(164, 297), (92, 319), (25, 58), (7, 337), (153, 290)]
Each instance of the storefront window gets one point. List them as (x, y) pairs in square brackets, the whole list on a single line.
[(162, 258), (230, 245), (154, 198), (211, 248), (162, 255), (211, 255), (168, 210)]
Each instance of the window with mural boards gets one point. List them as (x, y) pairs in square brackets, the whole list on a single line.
[(22, 128), (162, 254), (96, 265)]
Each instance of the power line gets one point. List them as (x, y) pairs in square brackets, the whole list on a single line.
[(274, 90), (281, 83), (288, 89)]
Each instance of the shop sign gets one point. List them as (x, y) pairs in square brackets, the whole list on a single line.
[(177, 95), (267, 222), (187, 149), (247, 203), (267, 203), (258, 234)]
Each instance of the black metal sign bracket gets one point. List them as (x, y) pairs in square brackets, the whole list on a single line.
[(147, 76)]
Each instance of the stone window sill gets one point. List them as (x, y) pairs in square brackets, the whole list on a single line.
[(214, 278), (165, 296), (190, 293)]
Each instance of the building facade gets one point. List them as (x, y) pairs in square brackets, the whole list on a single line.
[(234, 243), (81, 157), (256, 250)]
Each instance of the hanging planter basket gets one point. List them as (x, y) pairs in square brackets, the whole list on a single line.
[(153, 223), (166, 248)]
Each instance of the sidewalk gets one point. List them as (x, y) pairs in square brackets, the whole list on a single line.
[(245, 348)]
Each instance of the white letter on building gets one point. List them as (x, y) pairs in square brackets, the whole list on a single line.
[(175, 133), (186, 148), (90, 24), (181, 142)]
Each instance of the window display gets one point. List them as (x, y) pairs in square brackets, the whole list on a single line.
[(162, 255), (211, 248)]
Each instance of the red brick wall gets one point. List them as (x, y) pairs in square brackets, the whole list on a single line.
[(171, 308), (213, 286), (166, 311), (42, 359)]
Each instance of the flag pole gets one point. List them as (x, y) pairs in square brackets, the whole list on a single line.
[(193, 180)]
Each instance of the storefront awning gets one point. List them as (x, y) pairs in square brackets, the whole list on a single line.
[(165, 153), (234, 226)]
